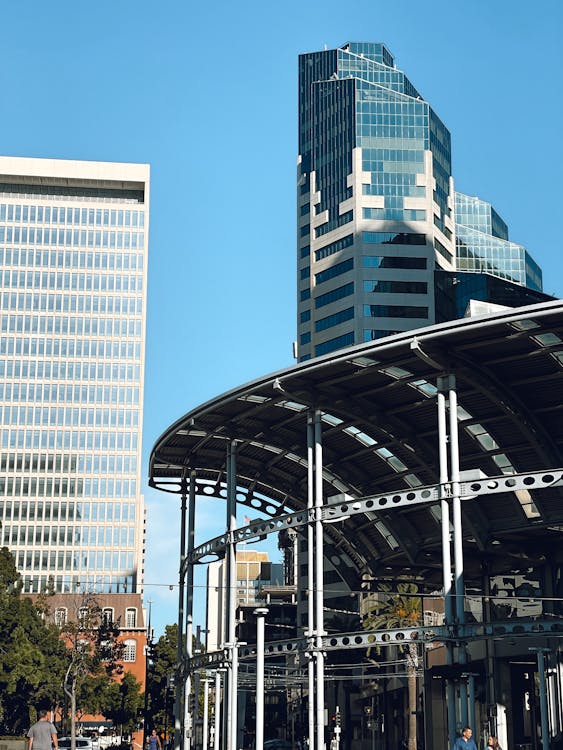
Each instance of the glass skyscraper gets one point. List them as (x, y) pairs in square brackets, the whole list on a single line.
[(73, 269), (377, 214), (375, 199), (482, 245)]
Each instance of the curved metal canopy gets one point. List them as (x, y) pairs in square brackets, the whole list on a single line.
[(379, 417)]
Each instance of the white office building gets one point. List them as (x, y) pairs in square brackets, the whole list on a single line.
[(73, 272)]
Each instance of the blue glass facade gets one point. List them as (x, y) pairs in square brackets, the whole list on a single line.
[(482, 245), (374, 159), (73, 261)]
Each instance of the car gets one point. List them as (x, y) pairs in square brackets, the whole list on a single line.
[(82, 743), (278, 744)]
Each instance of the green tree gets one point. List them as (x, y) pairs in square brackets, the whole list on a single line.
[(32, 656), (400, 609), (93, 650), (162, 667), (124, 701)]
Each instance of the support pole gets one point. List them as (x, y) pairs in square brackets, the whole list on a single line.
[(217, 733), (319, 584), (231, 601), (446, 550), (310, 580), (205, 740), (180, 663), (458, 539), (189, 723), (541, 652), (260, 613)]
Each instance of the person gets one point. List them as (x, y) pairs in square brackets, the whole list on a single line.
[(42, 734), (492, 742), (466, 741), (154, 741)]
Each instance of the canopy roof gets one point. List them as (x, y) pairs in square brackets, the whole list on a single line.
[(379, 417)]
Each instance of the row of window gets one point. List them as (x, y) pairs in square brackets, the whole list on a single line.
[(391, 261), (395, 311), (394, 214), (336, 270), (62, 487), (73, 259), (333, 224), (73, 238), (81, 303), (335, 294), (334, 247), (57, 392), (63, 324), (108, 616), (394, 238), (32, 560), (70, 584), (55, 510), (62, 370), (395, 287), (50, 463), (95, 348), (69, 280), (346, 339), (60, 215), (80, 536), (14, 439), (333, 320)]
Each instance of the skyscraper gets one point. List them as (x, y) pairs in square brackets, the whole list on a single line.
[(73, 269), (482, 244), (375, 199), (379, 224)]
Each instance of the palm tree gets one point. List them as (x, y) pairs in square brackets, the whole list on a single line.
[(399, 609)]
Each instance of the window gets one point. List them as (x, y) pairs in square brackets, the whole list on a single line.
[(395, 311), (334, 247), (130, 650), (336, 270), (107, 615), (333, 320), (383, 261), (131, 617), (60, 616), (396, 287), (329, 346), (335, 294)]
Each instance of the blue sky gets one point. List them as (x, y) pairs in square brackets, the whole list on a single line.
[(207, 94)]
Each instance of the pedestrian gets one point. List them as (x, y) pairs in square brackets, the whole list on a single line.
[(466, 741), (42, 734), (154, 741), (492, 742)]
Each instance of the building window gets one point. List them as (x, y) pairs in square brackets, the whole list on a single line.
[(395, 311), (60, 616), (333, 320), (329, 346), (107, 615), (336, 270), (130, 650), (131, 617), (335, 294)]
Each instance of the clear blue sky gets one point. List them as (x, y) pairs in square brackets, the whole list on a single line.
[(207, 94)]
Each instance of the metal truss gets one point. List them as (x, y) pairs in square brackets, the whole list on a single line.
[(366, 639), (340, 510)]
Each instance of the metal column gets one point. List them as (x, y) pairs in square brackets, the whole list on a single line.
[(231, 601), (310, 579), (260, 613), (319, 584), (541, 653), (458, 539), (189, 721), (217, 725), (205, 740), (180, 661), (446, 550)]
